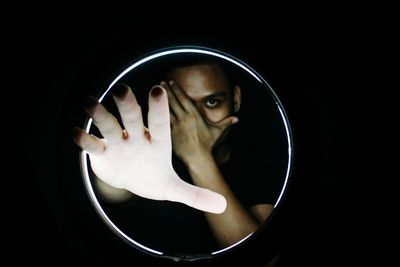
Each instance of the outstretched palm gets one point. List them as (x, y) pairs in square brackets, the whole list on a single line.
[(139, 159)]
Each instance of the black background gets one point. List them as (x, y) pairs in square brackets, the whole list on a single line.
[(314, 60)]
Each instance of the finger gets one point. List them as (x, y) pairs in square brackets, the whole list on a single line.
[(130, 111), (87, 142), (182, 98), (104, 121), (174, 104), (172, 118), (225, 123), (158, 116), (196, 197)]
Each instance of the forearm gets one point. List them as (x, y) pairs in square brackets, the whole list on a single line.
[(109, 193), (235, 222)]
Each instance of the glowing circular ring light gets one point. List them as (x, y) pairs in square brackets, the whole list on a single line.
[(153, 56)]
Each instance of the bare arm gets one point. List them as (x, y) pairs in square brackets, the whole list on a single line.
[(193, 141), (109, 193), (236, 222)]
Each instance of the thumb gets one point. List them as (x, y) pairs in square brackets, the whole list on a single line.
[(196, 197), (226, 122)]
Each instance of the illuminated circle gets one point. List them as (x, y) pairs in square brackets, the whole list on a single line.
[(153, 56)]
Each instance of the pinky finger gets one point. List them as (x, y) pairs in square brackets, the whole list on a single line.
[(87, 142)]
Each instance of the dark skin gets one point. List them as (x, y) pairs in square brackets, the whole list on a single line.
[(202, 112), (202, 107)]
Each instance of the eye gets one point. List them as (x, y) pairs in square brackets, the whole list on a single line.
[(212, 102)]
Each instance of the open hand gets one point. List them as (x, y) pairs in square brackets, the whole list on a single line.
[(139, 159), (190, 129)]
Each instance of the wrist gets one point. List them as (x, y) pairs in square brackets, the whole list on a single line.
[(199, 159)]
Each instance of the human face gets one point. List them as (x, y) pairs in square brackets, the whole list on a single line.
[(208, 88)]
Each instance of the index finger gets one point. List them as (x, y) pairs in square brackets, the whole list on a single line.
[(183, 99)]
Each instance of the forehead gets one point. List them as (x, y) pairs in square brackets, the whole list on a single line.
[(201, 80)]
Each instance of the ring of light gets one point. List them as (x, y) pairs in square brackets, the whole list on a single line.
[(153, 56)]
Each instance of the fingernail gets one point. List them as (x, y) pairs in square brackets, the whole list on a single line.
[(171, 83), (90, 103), (156, 92), (120, 90), (235, 120), (163, 84)]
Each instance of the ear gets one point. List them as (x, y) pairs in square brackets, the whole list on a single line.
[(237, 98)]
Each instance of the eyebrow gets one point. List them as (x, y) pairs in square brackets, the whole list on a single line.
[(215, 95)]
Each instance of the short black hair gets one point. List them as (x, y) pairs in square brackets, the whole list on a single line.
[(182, 60)]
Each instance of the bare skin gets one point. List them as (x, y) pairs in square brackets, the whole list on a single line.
[(201, 114), (202, 105), (139, 159)]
